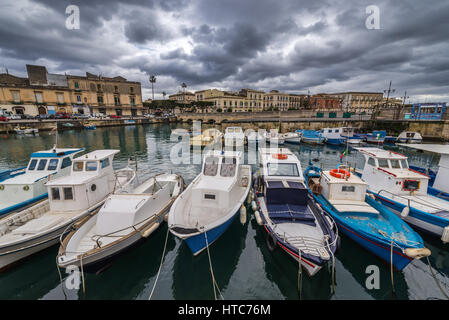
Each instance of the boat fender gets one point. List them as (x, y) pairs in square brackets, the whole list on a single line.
[(258, 218), (150, 230), (252, 195), (166, 217), (271, 242), (372, 196), (242, 214), (445, 235), (417, 253), (330, 222), (253, 205), (405, 212)]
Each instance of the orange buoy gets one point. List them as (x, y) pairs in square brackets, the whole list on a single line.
[(280, 156), (340, 173)]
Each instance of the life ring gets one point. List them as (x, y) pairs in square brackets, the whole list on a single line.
[(271, 242), (280, 156), (340, 173)]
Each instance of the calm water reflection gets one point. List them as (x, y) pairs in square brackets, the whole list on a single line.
[(244, 267)]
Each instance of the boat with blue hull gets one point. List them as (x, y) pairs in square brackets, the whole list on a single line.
[(370, 224), (404, 191), (203, 212), (438, 181), (377, 137), (292, 219), (332, 136), (25, 186), (311, 136)]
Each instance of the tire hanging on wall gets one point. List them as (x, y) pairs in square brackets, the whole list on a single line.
[(271, 242)]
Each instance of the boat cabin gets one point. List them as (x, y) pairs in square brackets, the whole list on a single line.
[(91, 179), (218, 178), (42, 165), (441, 179), (389, 171), (279, 164)]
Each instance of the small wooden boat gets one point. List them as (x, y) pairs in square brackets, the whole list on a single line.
[(89, 126), (290, 216), (343, 195), (25, 130), (311, 136), (126, 217), (210, 203), (210, 137), (292, 137), (72, 198)]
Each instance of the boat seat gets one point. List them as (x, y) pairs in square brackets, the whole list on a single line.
[(279, 213), (353, 206), (38, 225)]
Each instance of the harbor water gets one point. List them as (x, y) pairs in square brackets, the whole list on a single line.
[(243, 266)]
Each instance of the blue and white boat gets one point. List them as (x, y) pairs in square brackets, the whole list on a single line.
[(377, 136), (25, 186), (332, 136), (311, 136), (292, 219), (343, 195), (438, 185), (404, 191), (292, 137), (409, 137), (201, 214)]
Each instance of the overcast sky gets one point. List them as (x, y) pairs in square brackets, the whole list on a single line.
[(289, 45)]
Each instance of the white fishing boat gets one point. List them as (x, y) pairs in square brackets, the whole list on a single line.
[(349, 137), (234, 136), (25, 186), (409, 137), (404, 191), (210, 137), (292, 219), (125, 218), (25, 130), (210, 203), (274, 138), (292, 137), (256, 137), (71, 198)]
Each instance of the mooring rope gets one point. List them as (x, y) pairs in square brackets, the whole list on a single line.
[(391, 267), (436, 280), (60, 279), (82, 275), (214, 282), (333, 266), (299, 275), (160, 266)]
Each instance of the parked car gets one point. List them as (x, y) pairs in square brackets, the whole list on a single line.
[(62, 115), (3, 118), (80, 116), (26, 116), (114, 116), (14, 117), (42, 116)]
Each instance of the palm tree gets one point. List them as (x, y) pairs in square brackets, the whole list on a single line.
[(153, 81), (184, 86), (164, 94)]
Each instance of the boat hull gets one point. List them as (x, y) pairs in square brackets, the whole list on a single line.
[(312, 140), (198, 243), (427, 222)]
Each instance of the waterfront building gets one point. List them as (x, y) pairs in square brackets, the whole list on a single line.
[(359, 102), (46, 93), (183, 97)]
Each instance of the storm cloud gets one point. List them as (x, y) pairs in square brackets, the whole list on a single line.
[(290, 45)]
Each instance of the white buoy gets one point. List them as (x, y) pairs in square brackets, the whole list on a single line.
[(253, 205), (258, 218), (242, 214), (249, 198), (252, 195), (150, 230), (405, 212)]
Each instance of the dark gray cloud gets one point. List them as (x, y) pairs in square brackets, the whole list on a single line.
[(288, 45)]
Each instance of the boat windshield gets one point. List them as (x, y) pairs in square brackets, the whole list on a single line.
[(42, 164), (32, 165), (404, 164), (283, 169), (230, 130), (228, 167), (211, 166), (395, 164), (383, 163), (53, 164)]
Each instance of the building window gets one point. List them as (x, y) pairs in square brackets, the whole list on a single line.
[(98, 87), (38, 96), (100, 99), (60, 97), (78, 99), (77, 86), (16, 96), (117, 100), (131, 89), (132, 101)]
